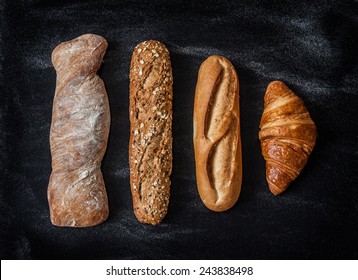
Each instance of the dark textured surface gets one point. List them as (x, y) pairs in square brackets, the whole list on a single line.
[(310, 46)]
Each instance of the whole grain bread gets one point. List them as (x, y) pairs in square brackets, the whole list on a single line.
[(217, 141), (150, 144), (79, 132)]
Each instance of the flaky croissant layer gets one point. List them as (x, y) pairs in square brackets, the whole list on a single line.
[(287, 135)]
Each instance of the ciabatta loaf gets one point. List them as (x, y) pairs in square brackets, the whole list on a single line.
[(79, 133)]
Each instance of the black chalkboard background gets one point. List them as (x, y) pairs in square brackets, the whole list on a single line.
[(310, 45)]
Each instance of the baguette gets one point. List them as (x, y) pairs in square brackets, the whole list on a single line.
[(79, 132), (217, 142), (150, 144)]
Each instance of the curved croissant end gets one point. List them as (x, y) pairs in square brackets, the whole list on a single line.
[(287, 136)]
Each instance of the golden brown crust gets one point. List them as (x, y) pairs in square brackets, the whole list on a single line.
[(150, 144), (287, 136), (79, 133), (217, 141)]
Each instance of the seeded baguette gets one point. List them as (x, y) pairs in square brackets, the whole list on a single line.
[(150, 144), (79, 133), (217, 141)]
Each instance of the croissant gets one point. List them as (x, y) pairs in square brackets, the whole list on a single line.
[(287, 135)]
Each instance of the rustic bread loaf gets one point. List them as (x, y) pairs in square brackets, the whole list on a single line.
[(150, 144), (217, 141), (79, 133)]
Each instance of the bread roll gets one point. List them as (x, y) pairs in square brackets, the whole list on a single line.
[(287, 136), (150, 144), (79, 132), (217, 142)]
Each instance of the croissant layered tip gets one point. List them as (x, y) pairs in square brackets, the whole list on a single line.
[(277, 84), (274, 189)]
